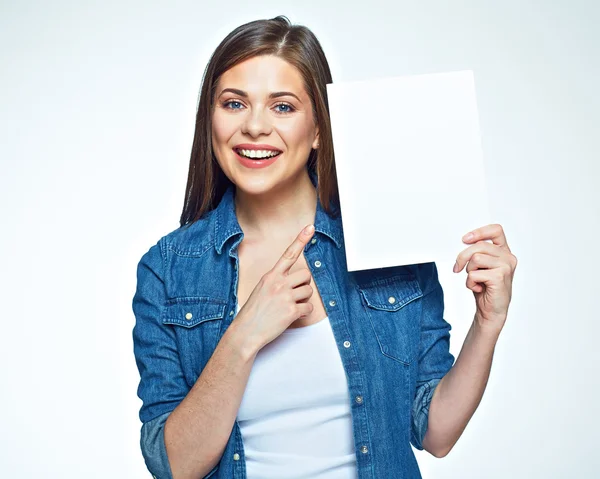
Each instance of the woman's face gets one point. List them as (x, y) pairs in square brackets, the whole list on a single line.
[(261, 108)]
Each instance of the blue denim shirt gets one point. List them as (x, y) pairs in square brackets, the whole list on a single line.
[(388, 326)]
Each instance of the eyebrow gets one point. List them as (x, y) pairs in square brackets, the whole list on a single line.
[(276, 94)]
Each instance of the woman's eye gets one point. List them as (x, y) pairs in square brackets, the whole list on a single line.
[(232, 105), (286, 108)]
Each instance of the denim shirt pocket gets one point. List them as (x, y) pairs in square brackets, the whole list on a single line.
[(196, 322), (394, 309)]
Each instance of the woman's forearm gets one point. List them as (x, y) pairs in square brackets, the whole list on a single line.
[(459, 393), (197, 430)]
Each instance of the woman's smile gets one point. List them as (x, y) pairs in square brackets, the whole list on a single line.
[(256, 156), (255, 161)]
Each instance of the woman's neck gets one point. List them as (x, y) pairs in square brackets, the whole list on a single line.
[(280, 213)]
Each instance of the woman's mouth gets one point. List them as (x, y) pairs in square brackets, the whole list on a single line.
[(257, 154), (256, 158)]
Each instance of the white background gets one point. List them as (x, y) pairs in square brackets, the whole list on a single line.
[(97, 106)]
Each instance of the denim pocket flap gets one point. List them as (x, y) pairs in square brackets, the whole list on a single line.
[(394, 309), (391, 294), (190, 312)]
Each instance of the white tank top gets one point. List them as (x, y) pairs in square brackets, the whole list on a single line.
[(295, 416)]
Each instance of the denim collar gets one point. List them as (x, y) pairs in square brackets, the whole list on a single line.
[(226, 223)]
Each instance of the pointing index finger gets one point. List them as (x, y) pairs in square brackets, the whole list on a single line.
[(291, 254)]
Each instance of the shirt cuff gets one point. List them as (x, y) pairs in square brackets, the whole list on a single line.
[(152, 442), (420, 412)]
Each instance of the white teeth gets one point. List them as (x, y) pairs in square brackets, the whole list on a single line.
[(258, 153)]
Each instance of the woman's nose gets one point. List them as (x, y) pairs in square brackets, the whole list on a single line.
[(256, 123)]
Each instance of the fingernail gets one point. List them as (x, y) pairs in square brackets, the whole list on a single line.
[(455, 267), (309, 229), (468, 236)]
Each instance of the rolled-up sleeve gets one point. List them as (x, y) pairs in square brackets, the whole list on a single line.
[(435, 359), (153, 445), (162, 384), (152, 442)]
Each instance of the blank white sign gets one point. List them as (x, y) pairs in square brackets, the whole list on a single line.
[(410, 167)]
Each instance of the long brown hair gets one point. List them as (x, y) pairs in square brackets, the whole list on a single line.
[(297, 45)]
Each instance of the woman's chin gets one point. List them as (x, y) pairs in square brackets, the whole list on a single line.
[(254, 186), (262, 181)]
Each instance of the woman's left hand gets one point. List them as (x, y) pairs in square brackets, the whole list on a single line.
[(491, 267)]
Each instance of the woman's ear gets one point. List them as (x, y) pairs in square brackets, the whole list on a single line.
[(315, 144)]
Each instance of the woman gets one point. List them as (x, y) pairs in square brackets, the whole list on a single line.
[(260, 355)]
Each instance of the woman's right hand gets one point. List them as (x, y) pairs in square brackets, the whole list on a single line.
[(279, 298)]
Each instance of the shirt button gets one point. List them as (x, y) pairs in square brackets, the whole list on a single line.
[(359, 399), (236, 457), (332, 303), (346, 344), (188, 316), (391, 300), (318, 264), (364, 449), (231, 313), (313, 241)]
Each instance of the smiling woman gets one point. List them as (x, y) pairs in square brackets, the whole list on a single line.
[(259, 354)]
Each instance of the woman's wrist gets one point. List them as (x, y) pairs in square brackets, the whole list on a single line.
[(241, 340)]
